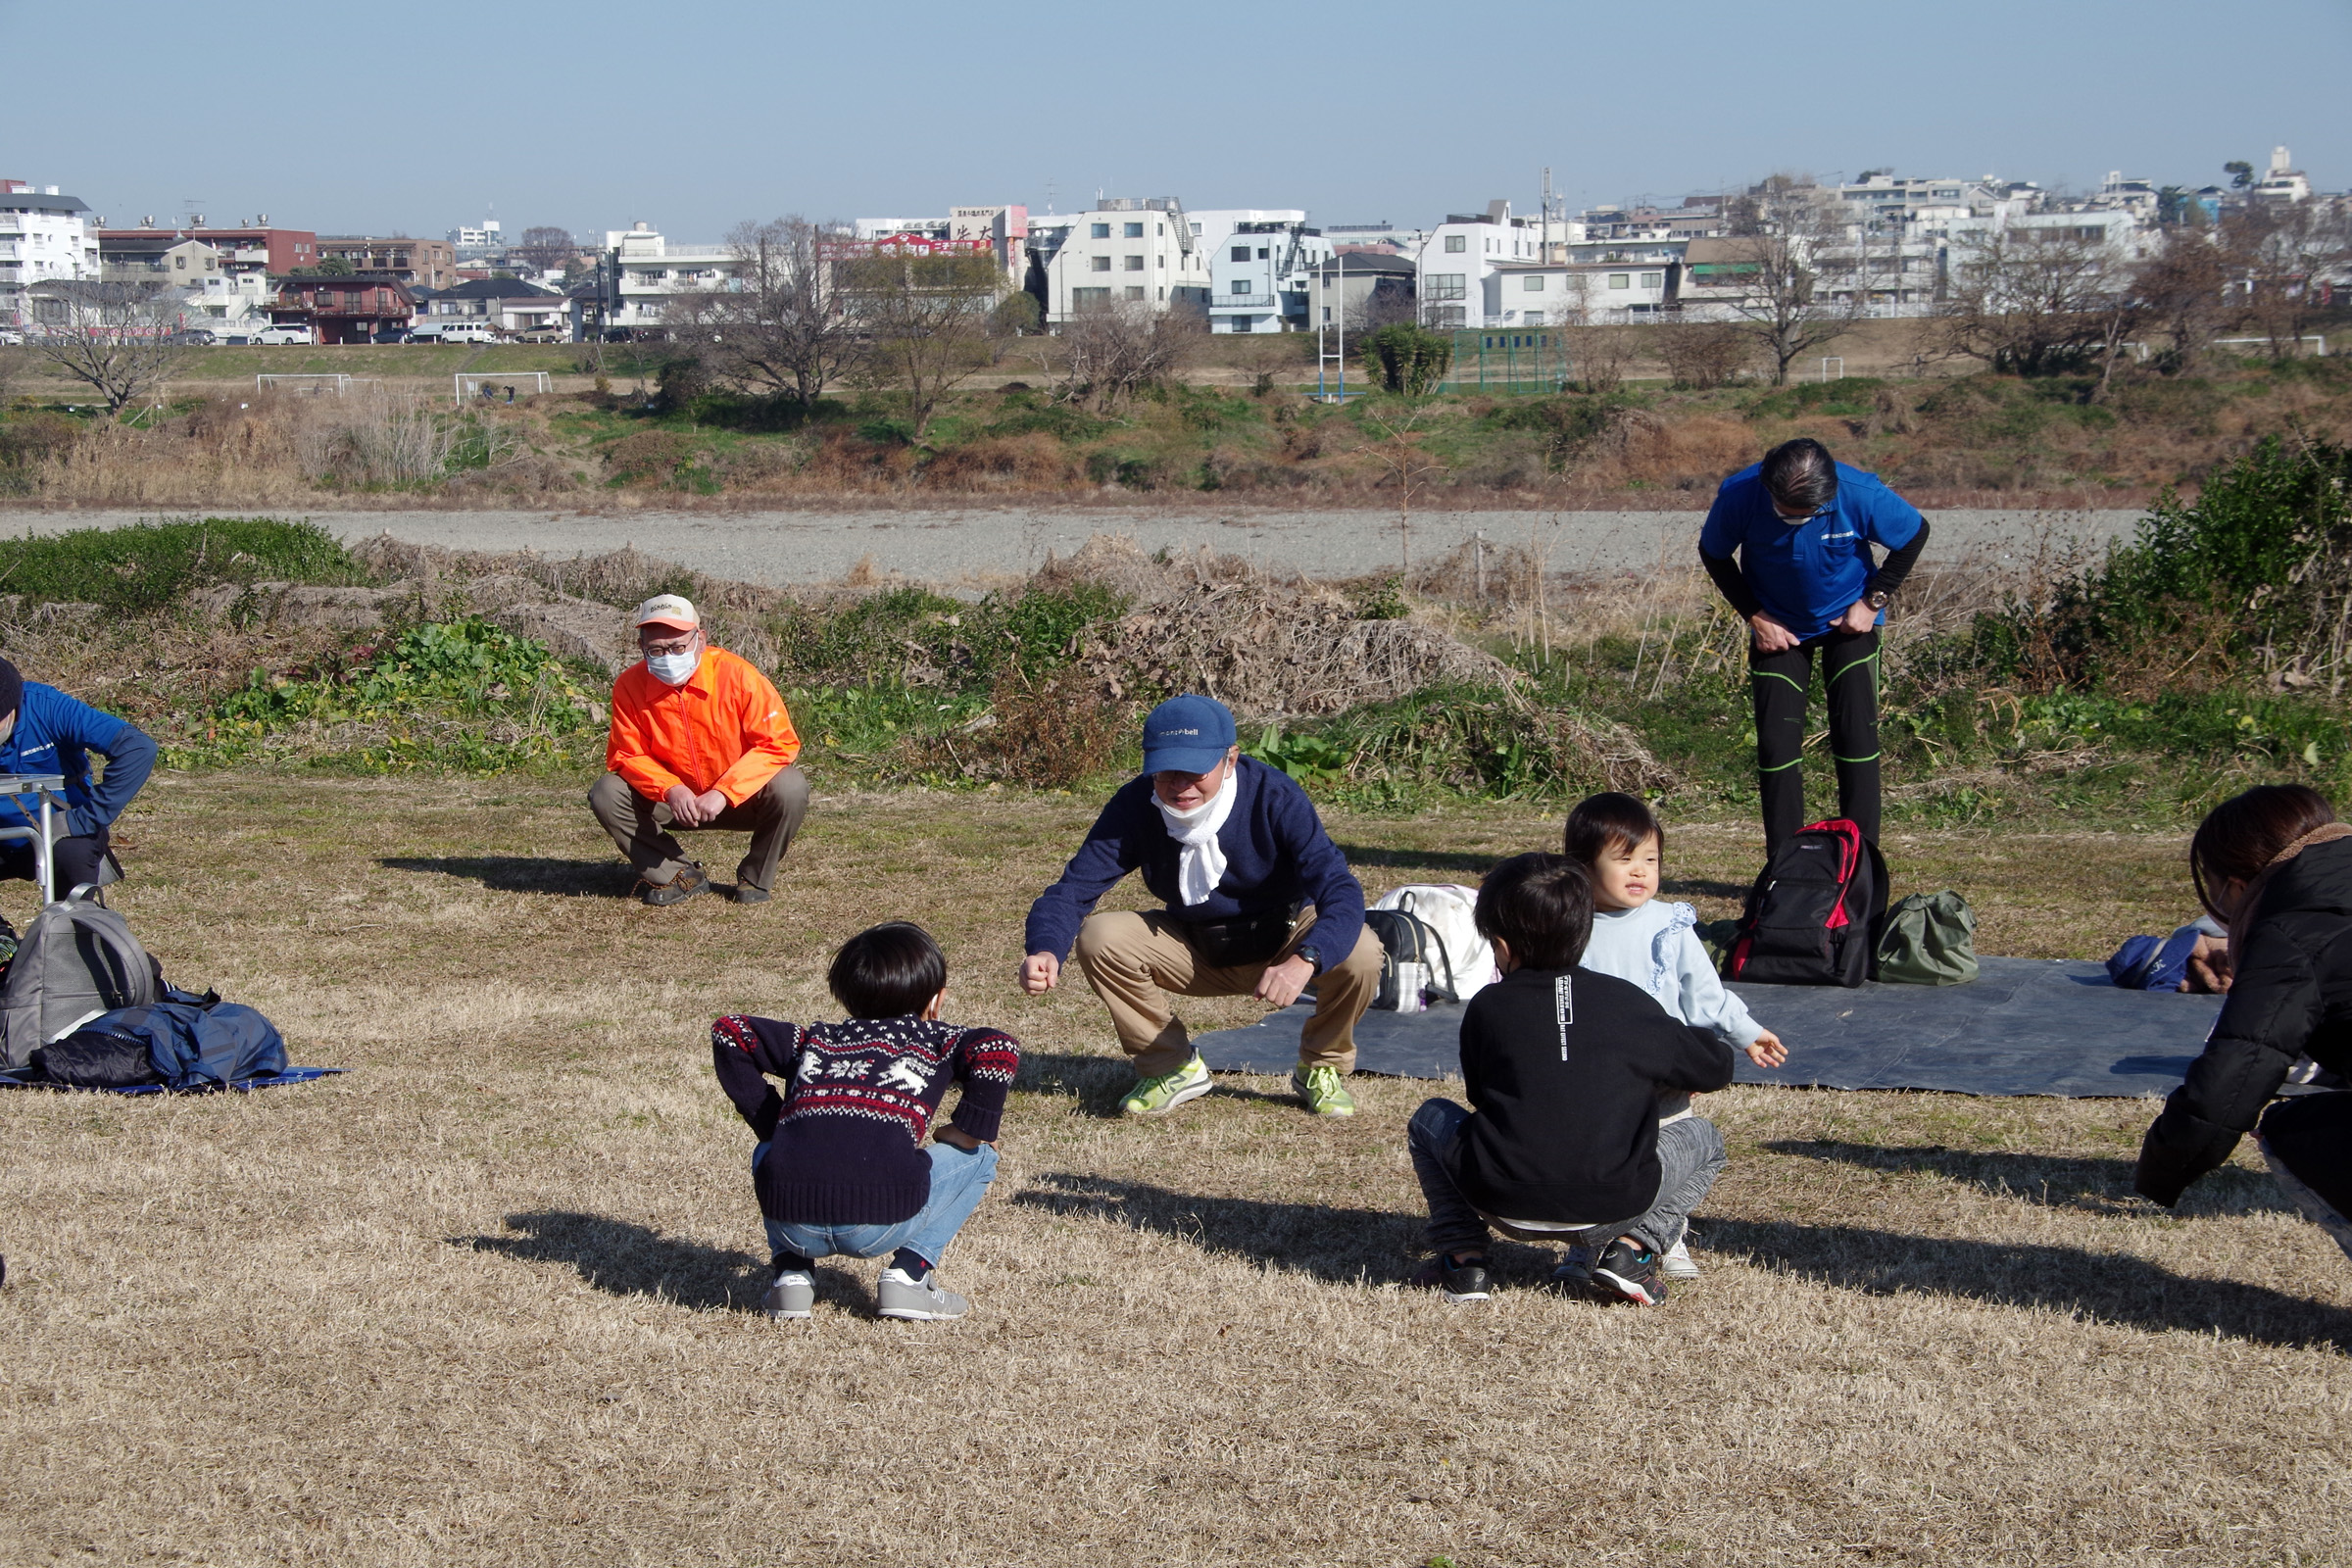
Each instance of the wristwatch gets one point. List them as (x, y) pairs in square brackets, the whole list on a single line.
[(1314, 959), (1877, 598)]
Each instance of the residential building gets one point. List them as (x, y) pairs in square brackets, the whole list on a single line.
[(1211, 225), (1126, 248), (1460, 256), (506, 303), (1006, 231), (1353, 289), (43, 236), (478, 244), (1564, 293), (1260, 276), (418, 262), (255, 249), (350, 308), (160, 259), (2281, 182), (642, 271)]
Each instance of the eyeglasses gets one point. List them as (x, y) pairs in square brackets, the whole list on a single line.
[(676, 645)]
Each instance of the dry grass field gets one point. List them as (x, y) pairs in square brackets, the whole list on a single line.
[(491, 1298)]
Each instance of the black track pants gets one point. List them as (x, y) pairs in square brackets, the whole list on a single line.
[(1849, 671)]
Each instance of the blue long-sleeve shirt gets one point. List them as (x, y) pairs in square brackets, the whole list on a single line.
[(56, 734), (1276, 853)]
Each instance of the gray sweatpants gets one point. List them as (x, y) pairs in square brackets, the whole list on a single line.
[(645, 832), (1689, 1157)]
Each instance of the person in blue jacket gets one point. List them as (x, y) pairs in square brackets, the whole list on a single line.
[(42, 730), (1788, 543), (1235, 851)]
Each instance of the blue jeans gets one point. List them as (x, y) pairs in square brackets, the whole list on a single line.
[(958, 1182), (1689, 1157)]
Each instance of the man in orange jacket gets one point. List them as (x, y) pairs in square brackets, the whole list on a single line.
[(700, 739)]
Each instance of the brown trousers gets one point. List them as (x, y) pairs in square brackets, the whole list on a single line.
[(1133, 960), (644, 831)]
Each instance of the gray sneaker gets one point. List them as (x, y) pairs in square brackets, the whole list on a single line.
[(1676, 1264), (794, 1295), (901, 1295)]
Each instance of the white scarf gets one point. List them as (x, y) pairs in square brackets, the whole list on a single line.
[(1202, 863)]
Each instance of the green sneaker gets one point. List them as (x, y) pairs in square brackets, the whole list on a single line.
[(1156, 1097), (1322, 1091)]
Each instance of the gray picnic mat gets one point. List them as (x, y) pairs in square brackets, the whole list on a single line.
[(2025, 1026)]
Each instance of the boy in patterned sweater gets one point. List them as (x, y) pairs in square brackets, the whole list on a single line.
[(840, 1168)]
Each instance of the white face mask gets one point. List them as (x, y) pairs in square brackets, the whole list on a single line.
[(673, 669)]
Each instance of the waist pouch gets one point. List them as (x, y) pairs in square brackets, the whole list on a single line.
[(1245, 939)]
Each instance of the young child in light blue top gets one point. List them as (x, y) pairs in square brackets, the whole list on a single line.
[(1656, 944)]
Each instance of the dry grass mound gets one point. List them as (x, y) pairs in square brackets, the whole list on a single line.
[(1268, 645)]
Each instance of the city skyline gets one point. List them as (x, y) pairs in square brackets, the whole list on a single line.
[(663, 130)]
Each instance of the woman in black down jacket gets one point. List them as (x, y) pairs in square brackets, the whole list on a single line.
[(2275, 867)]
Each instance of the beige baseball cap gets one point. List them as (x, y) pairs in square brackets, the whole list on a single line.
[(668, 610)]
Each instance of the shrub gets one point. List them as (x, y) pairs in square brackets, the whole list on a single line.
[(1407, 359), (150, 564)]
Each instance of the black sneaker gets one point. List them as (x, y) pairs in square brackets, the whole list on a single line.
[(1624, 1272), (1466, 1281), (685, 884)]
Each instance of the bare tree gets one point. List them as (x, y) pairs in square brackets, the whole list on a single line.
[(783, 326), (543, 247), (2276, 253), (1784, 304), (1114, 351), (2036, 300), (114, 336), (1407, 467), (1701, 354), (2182, 289), (1597, 352), (927, 319), (1389, 303)]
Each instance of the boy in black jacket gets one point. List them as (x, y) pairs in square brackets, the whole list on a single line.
[(1564, 1068), (841, 1166)]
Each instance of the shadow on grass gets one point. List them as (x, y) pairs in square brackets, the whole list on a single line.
[(1339, 1246), (1100, 1083), (523, 873), (2105, 1287), (621, 1258), (2047, 1181), (1693, 887)]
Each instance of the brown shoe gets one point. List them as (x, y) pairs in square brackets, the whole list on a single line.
[(685, 884)]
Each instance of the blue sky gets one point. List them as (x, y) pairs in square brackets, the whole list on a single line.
[(591, 113)]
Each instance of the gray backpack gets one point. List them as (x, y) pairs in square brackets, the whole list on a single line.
[(77, 960)]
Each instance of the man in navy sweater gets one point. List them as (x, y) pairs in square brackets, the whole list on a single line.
[(42, 730), (1235, 851)]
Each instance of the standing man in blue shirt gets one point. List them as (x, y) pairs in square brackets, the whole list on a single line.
[(1234, 848), (1787, 543), (42, 730)]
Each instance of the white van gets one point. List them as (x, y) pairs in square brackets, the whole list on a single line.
[(290, 332), (453, 332)]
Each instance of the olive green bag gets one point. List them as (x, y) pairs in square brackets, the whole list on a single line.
[(1929, 940)]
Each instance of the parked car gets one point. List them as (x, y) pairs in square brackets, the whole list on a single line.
[(392, 334), (9, 337), (192, 334), (285, 332), (454, 333)]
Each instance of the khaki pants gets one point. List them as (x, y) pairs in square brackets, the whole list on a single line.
[(644, 831), (1134, 960)]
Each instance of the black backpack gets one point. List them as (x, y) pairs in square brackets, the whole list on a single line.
[(1813, 916), (1407, 938)]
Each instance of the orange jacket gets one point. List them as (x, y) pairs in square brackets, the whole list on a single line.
[(725, 729)]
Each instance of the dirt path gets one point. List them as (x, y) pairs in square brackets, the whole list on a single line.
[(972, 547)]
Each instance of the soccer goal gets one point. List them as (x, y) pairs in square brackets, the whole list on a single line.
[(502, 386), (308, 386)]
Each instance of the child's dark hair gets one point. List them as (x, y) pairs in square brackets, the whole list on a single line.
[(2246, 833), (888, 971), (1603, 823), (1541, 904)]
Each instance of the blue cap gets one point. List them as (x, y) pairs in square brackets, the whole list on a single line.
[(1187, 735)]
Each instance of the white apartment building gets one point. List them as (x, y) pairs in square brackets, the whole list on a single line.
[(2282, 181), (43, 236), (1126, 248), (474, 244), (1260, 273), (1460, 256), (644, 271), (1539, 293)]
